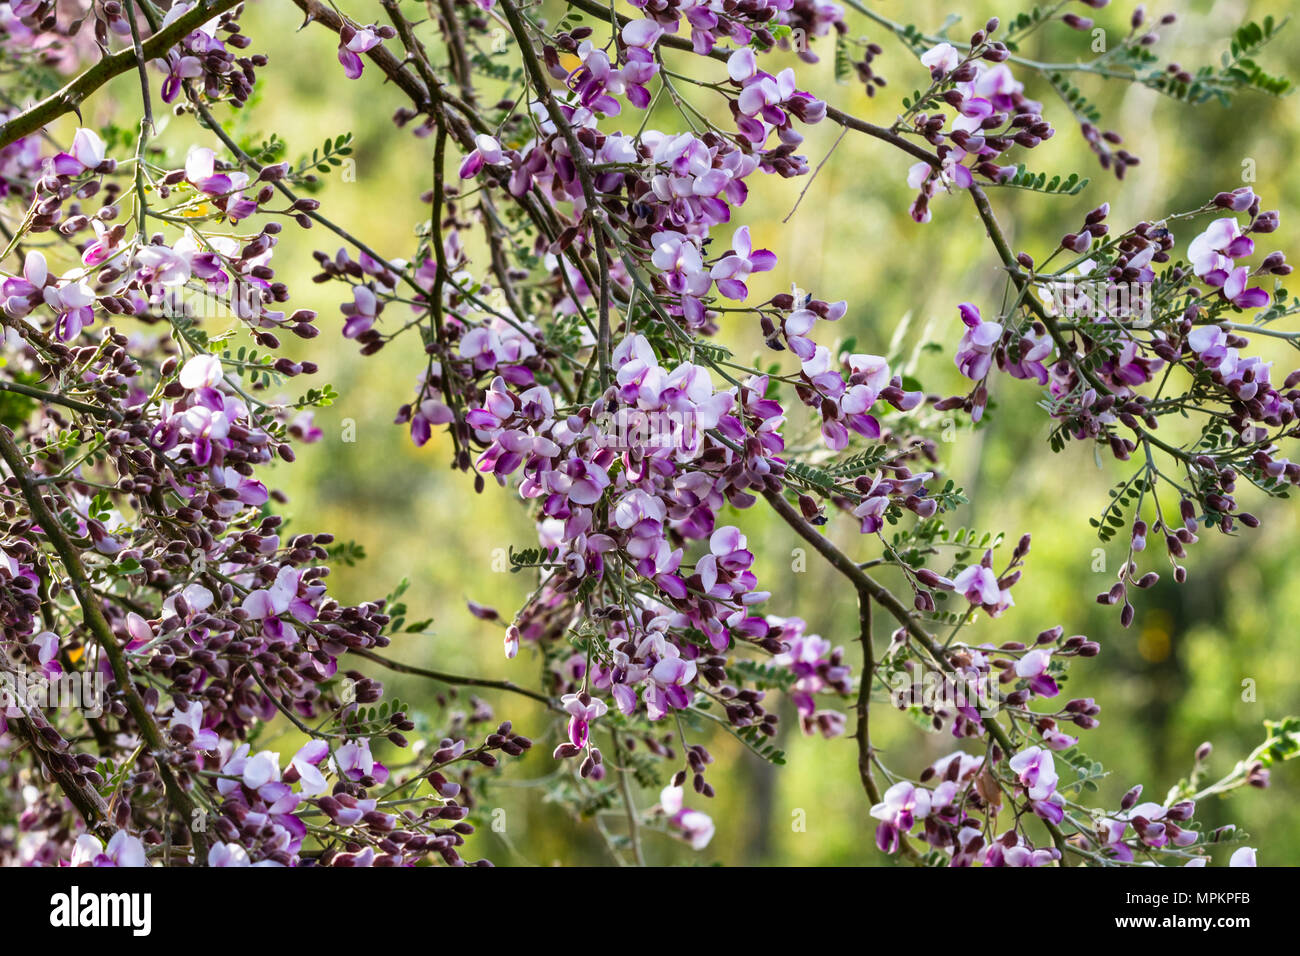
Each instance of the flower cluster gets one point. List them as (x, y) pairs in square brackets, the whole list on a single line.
[(1139, 313), (992, 115), (206, 56)]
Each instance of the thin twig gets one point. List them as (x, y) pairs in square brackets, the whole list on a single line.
[(456, 680), (808, 185)]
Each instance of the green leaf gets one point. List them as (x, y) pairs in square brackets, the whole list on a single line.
[(1071, 185)]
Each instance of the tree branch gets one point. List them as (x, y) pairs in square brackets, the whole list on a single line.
[(84, 798), (863, 733), (53, 398)]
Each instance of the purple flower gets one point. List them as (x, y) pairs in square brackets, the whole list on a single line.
[(1018, 855), (168, 267), (582, 481), (87, 154), (596, 78), (47, 652), (732, 270), (1211, 253), (196, 598), (361, 312), (248, 491), (1034, 348), (667, 692), (728, 547), (696, 826), (200, 170), (73, 303), (228, 855), (352, 43), (901, 806), (680, 263), (1239, 200), (1037, 772), (1033, 667), (871, 509), (201, 371), (929, 180), (1210, 344), (23, 294), (979, 585), (191, 718), (304, 428), (583, 709), (642, 33), (306, 767), (101, 248), (763, 94), (178, 67), (268, 604), (1057, 740), (742, 64), (975, 350), (123, 850), (356, 762), (486, 151), (431, 412), (260, 769), (1235, 291)]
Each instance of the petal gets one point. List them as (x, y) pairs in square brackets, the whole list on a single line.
[(88, 148), (352, 65), (742, 64), (202, 371), (200, 164), (35, 270), (641, 33)]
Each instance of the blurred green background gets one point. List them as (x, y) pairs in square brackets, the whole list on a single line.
[(1171, 681)]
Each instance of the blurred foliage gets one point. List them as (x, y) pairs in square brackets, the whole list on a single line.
[(1171, 681)]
